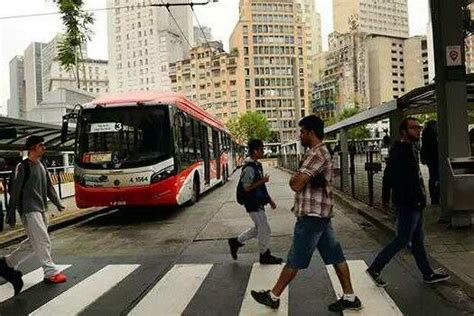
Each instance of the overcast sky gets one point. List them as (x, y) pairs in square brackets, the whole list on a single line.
[(17, 34)]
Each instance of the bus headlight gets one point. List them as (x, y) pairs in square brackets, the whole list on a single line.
[(162, 174)]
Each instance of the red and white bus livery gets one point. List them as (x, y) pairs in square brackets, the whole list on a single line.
[(149, 148)]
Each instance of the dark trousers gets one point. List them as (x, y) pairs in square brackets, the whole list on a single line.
[(433, 182), (409, 228)]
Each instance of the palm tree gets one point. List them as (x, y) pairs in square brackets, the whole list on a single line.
[(77, 23)]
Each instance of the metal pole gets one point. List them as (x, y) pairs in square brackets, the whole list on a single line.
[(451, 95)]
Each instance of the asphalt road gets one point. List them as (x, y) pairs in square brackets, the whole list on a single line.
[(176, 261)]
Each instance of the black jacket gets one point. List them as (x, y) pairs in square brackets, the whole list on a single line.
[(402, 177)]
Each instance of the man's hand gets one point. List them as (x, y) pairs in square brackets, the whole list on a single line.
[(61, 208), (273, 204), (265, 179)]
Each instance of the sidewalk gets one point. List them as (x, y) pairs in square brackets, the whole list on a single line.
[(70, 215), (453, 249)]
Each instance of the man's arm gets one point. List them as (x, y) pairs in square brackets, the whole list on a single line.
[(51, 192), (298, 181)]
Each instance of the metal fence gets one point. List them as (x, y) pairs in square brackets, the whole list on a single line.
[(366, 166)]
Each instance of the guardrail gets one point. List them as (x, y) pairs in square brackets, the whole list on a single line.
[(366, 166)]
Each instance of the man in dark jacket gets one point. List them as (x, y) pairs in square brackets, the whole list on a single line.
[(253, 182), (403, 178)]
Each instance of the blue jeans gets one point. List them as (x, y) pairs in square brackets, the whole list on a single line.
[(409, 228)]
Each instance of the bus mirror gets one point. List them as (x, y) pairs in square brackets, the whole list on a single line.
[(8, 133), (64, 129)]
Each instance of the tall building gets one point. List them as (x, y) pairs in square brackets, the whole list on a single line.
[(202, 36), (272, 62), (312, 21), (143, 41), (342, 75), (388, 18), (396, 66), (209, 77), (17, 87), (32, 60)]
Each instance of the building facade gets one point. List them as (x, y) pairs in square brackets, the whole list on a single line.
[(32, 58), (17, 87), (388, 18), (209, 78), (272, 67), (343, 79), (143, 41), (396, 66)]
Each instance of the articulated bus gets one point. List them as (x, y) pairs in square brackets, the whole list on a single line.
[(149, 148)]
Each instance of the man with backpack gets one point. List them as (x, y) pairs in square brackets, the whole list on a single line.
[(253, 194), (31, 188)]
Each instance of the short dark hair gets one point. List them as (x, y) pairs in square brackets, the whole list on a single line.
[(313, 123), (404, 123), (33, 140), (254, 144)]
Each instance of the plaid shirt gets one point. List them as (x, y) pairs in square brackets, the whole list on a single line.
[(315, 201)]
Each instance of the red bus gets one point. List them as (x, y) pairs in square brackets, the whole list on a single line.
[(148, 148)]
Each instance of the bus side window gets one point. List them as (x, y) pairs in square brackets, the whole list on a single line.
[(197, 138)]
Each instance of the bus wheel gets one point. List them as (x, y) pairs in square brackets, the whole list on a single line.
[(196, 189)]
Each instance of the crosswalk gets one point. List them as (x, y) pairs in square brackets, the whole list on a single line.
[(184, 289)]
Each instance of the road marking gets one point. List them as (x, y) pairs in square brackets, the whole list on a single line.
[(29, 280), (174, 291), (263, 277), (86, 292), (375, 300)]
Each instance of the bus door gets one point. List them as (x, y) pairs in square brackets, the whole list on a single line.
[(217, 152), (206, 154)]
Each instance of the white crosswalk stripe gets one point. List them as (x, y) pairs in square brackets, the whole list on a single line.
[(174, 291), (29, 280), (80, 296), (375, 300), (263, 277)]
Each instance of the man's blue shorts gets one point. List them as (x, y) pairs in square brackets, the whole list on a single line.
[(310, 233)]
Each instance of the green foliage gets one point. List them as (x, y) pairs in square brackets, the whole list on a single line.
[(250, 125), (359, 132), (77, 23)]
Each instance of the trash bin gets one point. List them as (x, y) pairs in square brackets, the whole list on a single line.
[(461, 187)]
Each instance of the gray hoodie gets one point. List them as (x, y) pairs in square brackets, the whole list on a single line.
[(38, 188)]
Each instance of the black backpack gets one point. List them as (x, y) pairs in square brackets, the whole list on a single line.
[(242, 196)]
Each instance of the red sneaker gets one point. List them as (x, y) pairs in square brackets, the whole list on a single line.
[(57, 278)]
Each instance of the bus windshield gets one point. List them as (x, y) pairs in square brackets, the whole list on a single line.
[(123, 137)]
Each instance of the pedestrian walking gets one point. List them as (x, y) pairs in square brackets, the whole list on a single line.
[(402, 178), (313, 208), (471, 140), (31, 188), (429, 157), (253, 194)]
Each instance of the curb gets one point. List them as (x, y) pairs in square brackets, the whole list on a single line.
[(386, 223), (56, 223)]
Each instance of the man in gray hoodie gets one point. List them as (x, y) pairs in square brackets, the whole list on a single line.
[(29, 195)]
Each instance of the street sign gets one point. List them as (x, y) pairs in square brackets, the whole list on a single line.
[(453, 56)]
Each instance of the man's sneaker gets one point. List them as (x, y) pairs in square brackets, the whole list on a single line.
[(377, 278), (435, 278), (263, 297), (234, 245), (267, 258), (11, 275), (343, 304), (57, 278)]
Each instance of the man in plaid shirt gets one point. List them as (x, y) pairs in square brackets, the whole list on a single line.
[(312, 185)]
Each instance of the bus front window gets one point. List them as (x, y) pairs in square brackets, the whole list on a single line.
[(123, 137)]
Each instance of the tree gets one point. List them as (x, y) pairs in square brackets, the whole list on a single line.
[(77, 23), (250, 125), (359, 132)]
